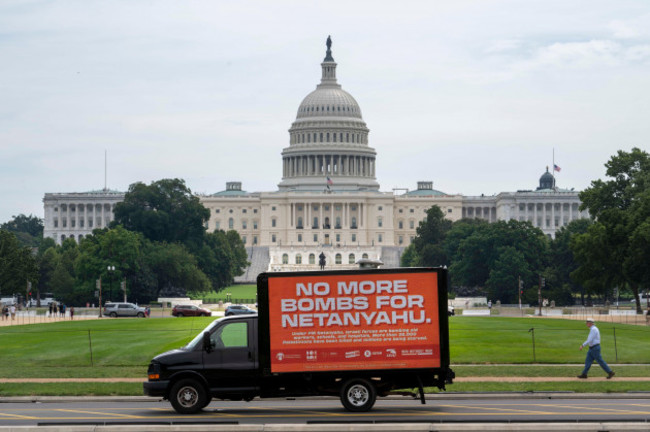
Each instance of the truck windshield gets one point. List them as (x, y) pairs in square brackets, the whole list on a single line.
[(198, 340)]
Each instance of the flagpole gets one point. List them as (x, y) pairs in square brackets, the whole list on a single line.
[(553, 167)]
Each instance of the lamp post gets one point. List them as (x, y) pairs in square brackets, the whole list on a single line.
[(110, 269)]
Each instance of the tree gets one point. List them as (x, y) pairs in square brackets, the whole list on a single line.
[(116, 247), (621, 209), (478, 258), (427, 248), (165, 211), (174, 270), (222, 257), (503, 281), (17, 265), (562, 263), (28, 229)]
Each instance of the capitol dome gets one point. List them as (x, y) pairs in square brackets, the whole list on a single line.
[(328, 146), (333, 102)]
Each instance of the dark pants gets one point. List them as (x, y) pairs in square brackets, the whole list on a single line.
[(594, 355)]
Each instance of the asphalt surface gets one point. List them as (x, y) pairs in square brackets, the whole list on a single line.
[(508, 411)]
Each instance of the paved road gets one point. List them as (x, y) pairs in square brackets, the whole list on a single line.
[(486, 409)]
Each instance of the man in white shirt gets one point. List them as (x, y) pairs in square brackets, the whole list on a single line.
[(593, 341)]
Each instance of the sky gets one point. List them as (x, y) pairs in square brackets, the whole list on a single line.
[(478, 96)]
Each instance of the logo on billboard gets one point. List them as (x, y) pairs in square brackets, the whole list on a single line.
[(391, 353), (311, 355), (352, 354), (279, 356), (367, 353)]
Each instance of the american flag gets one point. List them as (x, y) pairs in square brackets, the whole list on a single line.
[(556, 168)]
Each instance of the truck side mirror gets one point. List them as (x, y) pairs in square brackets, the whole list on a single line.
[(207, 343)]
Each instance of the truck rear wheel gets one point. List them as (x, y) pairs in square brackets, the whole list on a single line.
[(188, 396), (358, 395)]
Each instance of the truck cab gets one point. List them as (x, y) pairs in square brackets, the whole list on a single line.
[(221, 362)]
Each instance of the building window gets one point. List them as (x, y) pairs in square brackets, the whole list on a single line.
[(400, 211), (401, 240), (254, 240), (364, 256), (56, 223), (299, 222), (217, 224), (300, 237), (400, 224), (298, 259), (412, 224), (299, 207), (230, 211), (380, 222), (254, 210), (354, 237), (243, 210), (380, 208), (338, 238), (285, 259), (354, 222), (243, 224), (231, 223), (380, 237), (448, 210), (338, 222), (273, 238), (273, 223), (412, 210), (315, 238), (217, 211), (273, 208), (243, 239), (351, 259), (254, 224), (315, 208), (337, 258), (315, 226)]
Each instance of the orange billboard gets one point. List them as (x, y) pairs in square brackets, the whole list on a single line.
[(354, 321)]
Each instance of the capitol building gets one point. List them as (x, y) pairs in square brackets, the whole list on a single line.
[(328, 200)]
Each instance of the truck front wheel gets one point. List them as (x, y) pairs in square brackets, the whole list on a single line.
[(358, 395), (188, 396)]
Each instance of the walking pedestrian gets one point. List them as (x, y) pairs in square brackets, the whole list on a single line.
[(50, 306), (12, 309), (593, 340), (71, 312)]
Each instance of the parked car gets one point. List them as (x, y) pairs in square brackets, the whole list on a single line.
[(115, 310), (190, 310), (239, 310)]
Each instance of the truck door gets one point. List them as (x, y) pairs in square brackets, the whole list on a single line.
[(233, 358)]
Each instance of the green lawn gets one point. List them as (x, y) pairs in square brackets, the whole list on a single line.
[(480, 346), (237, 293), (493, 340)]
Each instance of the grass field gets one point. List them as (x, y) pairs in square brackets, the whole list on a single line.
[(480, 346), (237, 292)]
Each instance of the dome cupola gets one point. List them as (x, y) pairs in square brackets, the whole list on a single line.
[(546, 181)]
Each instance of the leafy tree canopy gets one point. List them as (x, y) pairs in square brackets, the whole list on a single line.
[(164, 211), (17, 265), (614, 251), (28, 229)]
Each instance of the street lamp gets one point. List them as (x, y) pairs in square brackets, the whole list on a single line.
[(110, 269)]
